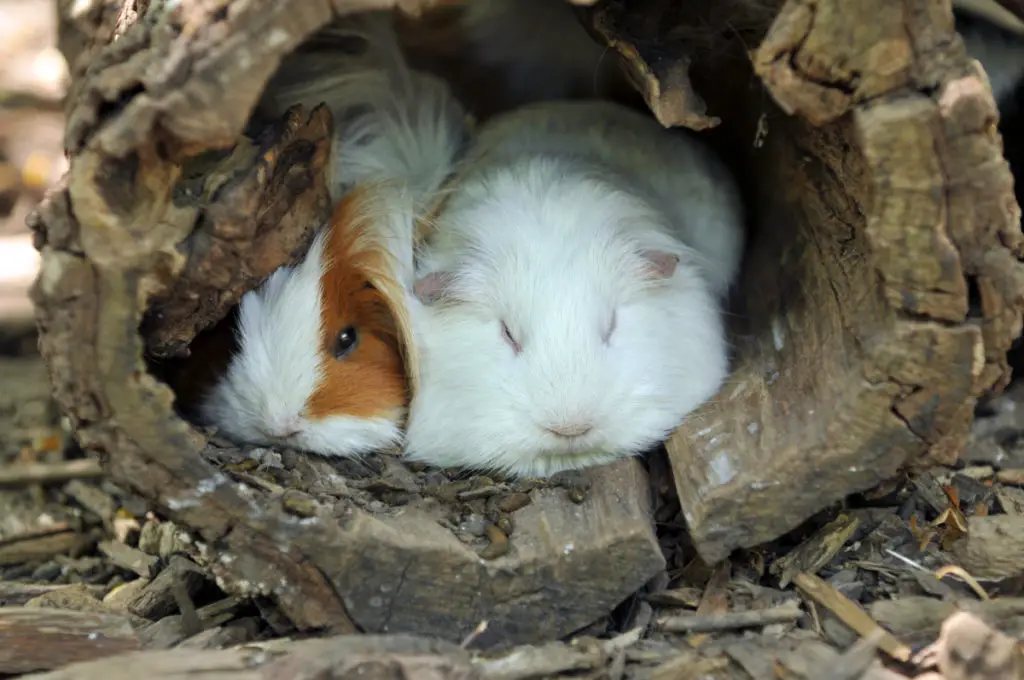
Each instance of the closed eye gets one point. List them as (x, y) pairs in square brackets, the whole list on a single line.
[(607, 335), (507, 335)]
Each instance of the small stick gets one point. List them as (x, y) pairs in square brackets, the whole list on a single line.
[(39, 545), (850, 613), (43, 473), (190, 623), (730, 620)]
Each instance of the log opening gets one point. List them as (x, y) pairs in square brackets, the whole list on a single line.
[(878, 199)]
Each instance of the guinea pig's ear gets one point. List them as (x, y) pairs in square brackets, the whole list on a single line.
[(660, 264), (431, 287)]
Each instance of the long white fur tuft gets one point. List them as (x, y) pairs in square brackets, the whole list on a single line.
[(394, 124), (398, 134)]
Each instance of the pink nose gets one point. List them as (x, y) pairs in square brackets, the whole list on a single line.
[(572, 429), (281, 430)]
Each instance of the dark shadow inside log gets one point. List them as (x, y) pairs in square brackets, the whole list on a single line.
[(877, 199)]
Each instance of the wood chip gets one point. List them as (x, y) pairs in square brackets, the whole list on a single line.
[(542, 661), (1011, 499), (696, 623), (993, 547), (38, 546), (39, 473), (173, 630), (129, 558), (850, 613), (156, 600), (92, 498), (121, 596), (922, 617), (689, 665), (78, 597), (40, 639), (15, 593), (817, 551), (230, 634), (1013, 476)]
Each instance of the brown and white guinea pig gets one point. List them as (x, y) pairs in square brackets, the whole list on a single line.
[(319, 365)]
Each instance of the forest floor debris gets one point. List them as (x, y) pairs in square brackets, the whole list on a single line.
[(922, 578), (870, 589)]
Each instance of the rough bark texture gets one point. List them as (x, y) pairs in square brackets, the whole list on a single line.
[(881, 201), (167, 216), (38, 639), (880, 197)]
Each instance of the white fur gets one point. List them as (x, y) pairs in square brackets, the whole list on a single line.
[(263, 394), (394, 125), (397, 130), (544, 230)]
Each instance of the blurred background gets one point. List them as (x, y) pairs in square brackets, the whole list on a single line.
[(33, 80)]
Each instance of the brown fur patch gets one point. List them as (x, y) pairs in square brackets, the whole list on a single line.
[(370, 381)]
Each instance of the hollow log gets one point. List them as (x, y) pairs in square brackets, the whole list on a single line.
[(880, 202), (175, 206)]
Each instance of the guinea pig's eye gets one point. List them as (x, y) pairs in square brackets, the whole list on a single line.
[(507, 334), (607, 335), (345, 342)]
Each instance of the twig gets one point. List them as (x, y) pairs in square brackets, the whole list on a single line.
[(474, 634), (730, 620), (543, 661), (44, 473), (39, 545), (850, 613), (965, 576)]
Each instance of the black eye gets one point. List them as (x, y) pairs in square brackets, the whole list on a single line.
[(507, 334), (346, 342)]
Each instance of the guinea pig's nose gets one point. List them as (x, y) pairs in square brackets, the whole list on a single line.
[(570, 429), (281, 431)]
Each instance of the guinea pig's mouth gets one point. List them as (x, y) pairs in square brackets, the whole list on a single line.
[(581, 446)]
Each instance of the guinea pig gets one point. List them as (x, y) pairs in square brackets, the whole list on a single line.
[(568, 301), (319, 364), (327, 349)]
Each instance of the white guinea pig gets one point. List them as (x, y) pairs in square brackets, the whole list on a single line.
[(571, 291)]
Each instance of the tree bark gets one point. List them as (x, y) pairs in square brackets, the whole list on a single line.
[(171, 211), (882, 202)]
